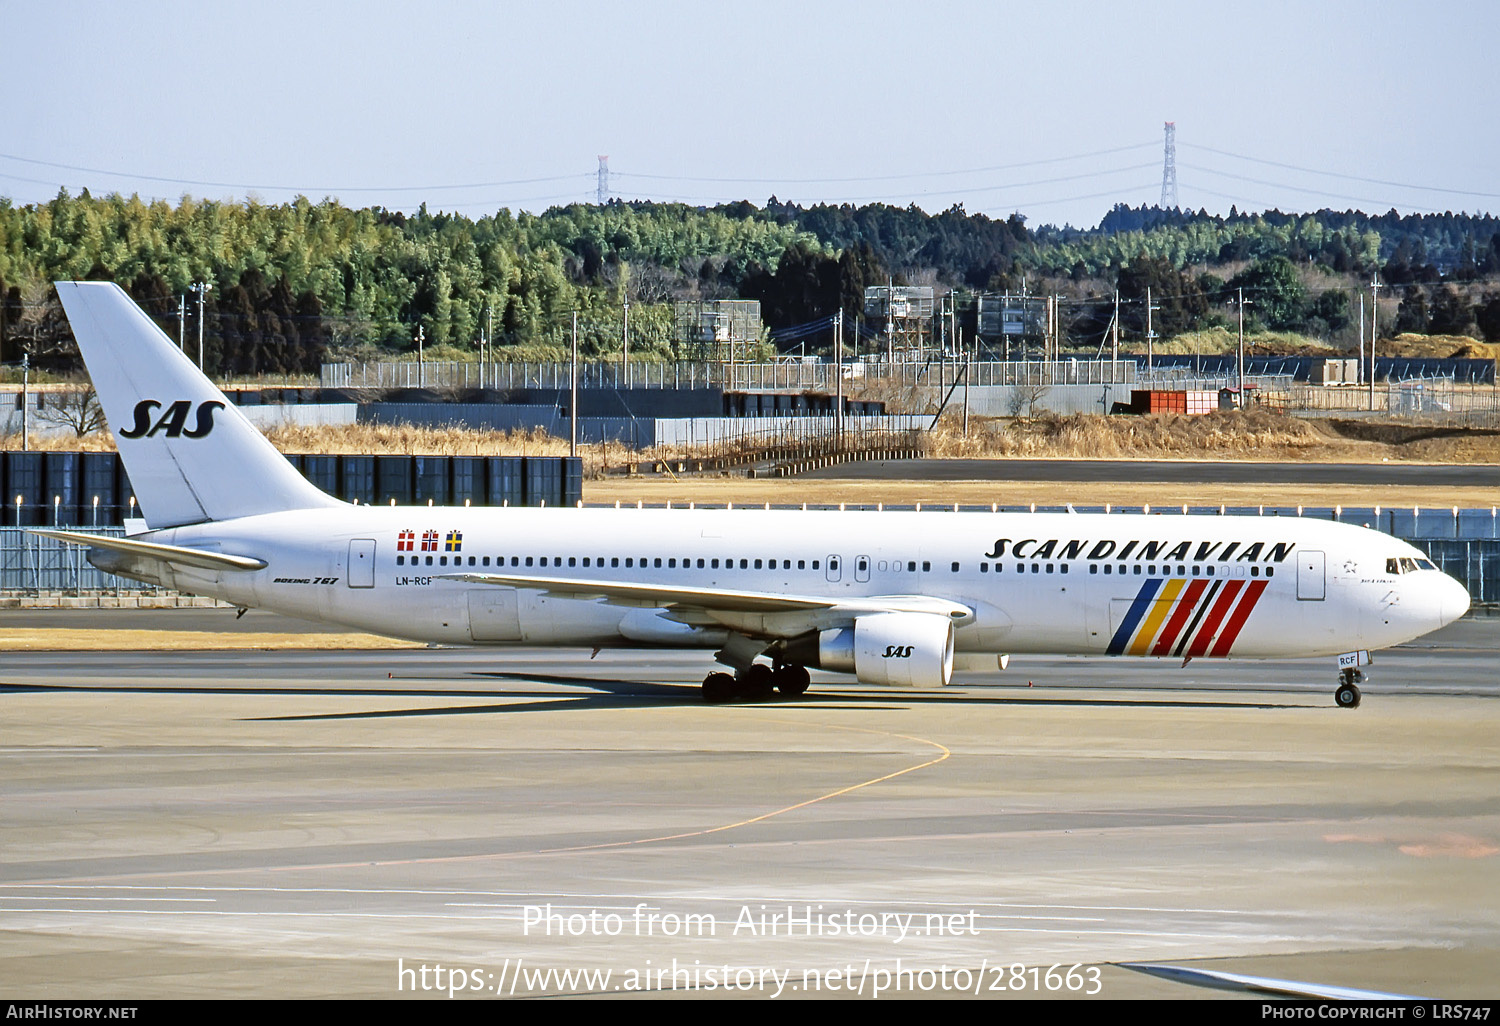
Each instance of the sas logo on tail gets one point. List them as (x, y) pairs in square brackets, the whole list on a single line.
[(173, 420)]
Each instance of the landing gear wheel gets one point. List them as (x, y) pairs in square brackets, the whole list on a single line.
[(718, 688), (756, 682), (792, 680), (1347, 696)]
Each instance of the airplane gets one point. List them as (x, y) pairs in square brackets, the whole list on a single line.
[(892, 598)]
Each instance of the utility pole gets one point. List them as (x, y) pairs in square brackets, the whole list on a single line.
[(25, 402), (625, 350), (1375, 288), (1150, 335), (181, 322), (203, 288), (421, 363), (1240, 305), (573, 402), (1114, 346), (838, 373), (1358, 377)]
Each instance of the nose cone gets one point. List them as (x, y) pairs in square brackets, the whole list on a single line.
[(1453, 600)]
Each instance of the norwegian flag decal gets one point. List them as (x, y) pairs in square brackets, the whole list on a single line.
[(429, 541)]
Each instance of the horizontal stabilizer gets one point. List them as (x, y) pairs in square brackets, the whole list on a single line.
[(153, 550)]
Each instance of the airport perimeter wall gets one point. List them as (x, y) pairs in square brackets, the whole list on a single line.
[(1465, 543), (91, 489)]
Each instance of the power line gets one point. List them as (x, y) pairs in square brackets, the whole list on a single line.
[(882, 178), (943, 192), (1303, 188), (1339, 174), (290, 188)]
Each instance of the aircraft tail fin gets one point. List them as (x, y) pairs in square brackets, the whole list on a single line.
[(191, 456)]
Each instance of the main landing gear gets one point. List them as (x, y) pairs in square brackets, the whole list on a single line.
[(1347, 695), (756, 683)]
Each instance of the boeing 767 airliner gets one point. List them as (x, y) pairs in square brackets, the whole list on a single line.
[(890, 597)]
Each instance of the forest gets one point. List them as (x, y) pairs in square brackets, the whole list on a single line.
[(291, 285)]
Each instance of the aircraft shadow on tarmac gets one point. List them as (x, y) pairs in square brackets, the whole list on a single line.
[(615, 693)]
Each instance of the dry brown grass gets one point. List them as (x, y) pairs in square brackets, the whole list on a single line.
[(1230, 434)]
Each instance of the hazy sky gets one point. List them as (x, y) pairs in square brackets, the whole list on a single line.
[(1052, 109)]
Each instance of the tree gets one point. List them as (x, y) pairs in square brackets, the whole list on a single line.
[(1276, 292), (1450, 313), (75, 407), (1411, 315)]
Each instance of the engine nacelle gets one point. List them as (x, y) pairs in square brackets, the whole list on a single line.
[(909, 650)]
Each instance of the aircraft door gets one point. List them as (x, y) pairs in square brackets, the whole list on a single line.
[(1310, 575), (361, 572), (861, 568), (835, 569)]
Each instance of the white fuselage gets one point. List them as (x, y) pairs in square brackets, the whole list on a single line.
[(1091, 584)]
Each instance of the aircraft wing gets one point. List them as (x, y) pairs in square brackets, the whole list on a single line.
[(1261, 984), (201, 558), (717, 600)]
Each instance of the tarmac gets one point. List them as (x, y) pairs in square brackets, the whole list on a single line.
[(406, 823)]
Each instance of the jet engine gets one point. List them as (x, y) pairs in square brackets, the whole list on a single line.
[(899, 649)]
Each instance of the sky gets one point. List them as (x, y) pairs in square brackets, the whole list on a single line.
[(1054, 110)]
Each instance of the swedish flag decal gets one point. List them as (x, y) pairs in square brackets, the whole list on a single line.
[(455, 541)]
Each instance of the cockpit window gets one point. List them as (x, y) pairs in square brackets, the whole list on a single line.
[(1393, 566), (1408, 565)]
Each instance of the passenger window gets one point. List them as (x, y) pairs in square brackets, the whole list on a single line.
[(1270, 571), (1020, 568), (528, 560), (955, 567), (927, 565), (911, 566), (572, 560), (1108, 567), (429, 560), (615, 561), (984, 568), (715, 564), (1049, 568), (1138, 569), (801, 564), (629, 562), (1064, 568), (1255, 571), (400, 560)]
